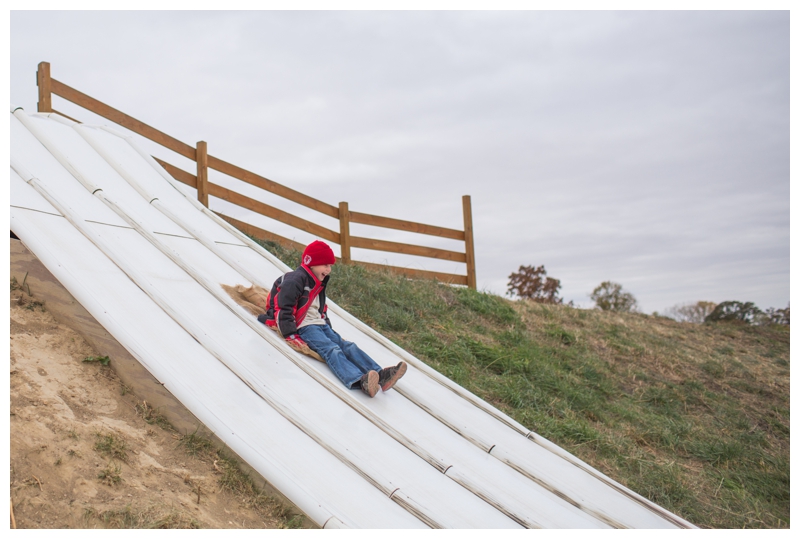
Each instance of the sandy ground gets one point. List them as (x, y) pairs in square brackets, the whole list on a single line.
[(63, 409)]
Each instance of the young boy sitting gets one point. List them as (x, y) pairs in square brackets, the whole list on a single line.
[(296, 308)]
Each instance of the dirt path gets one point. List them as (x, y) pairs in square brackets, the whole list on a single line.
[(83, 456)]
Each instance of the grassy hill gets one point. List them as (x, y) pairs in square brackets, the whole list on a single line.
[(694, 417)]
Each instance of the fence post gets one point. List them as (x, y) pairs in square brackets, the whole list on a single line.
[(43, 82), (344, 231), (469, 242), (202, 172)]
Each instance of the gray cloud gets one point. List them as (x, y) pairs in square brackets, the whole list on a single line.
[(650, 148)]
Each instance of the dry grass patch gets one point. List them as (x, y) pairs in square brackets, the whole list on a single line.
[(151, 517)]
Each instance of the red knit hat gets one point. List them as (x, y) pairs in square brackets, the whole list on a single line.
[(318, 253)]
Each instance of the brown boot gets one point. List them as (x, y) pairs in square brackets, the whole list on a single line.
[(369, 383), (390, 375)]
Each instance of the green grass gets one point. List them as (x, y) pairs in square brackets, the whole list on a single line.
[(152, 416), (694, 417), (103, 360), (112, 445), (22, 300), (152, 517), (110, 475)]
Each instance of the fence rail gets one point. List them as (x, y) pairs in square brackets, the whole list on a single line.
[(199, 181)]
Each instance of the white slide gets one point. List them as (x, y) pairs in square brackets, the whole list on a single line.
[(148, 262)]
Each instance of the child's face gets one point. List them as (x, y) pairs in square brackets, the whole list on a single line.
[(321, 271)]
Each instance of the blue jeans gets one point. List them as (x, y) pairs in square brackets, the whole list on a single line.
[(347, 361)]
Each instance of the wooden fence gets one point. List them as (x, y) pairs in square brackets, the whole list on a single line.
[(199, 154)]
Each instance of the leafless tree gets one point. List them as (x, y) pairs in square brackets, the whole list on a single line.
[(695, 313)]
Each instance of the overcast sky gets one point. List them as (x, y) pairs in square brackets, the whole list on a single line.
[(646, 148)]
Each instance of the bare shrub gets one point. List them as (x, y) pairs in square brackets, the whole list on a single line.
[(695, 313)]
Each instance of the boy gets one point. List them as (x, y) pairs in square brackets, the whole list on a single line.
[(296, 308)]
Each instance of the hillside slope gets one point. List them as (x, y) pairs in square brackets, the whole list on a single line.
[(694, 417)]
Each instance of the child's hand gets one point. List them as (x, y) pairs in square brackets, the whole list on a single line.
[(296, 342), (300, 345)]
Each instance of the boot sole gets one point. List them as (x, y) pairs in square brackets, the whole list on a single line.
[(372, 384)]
